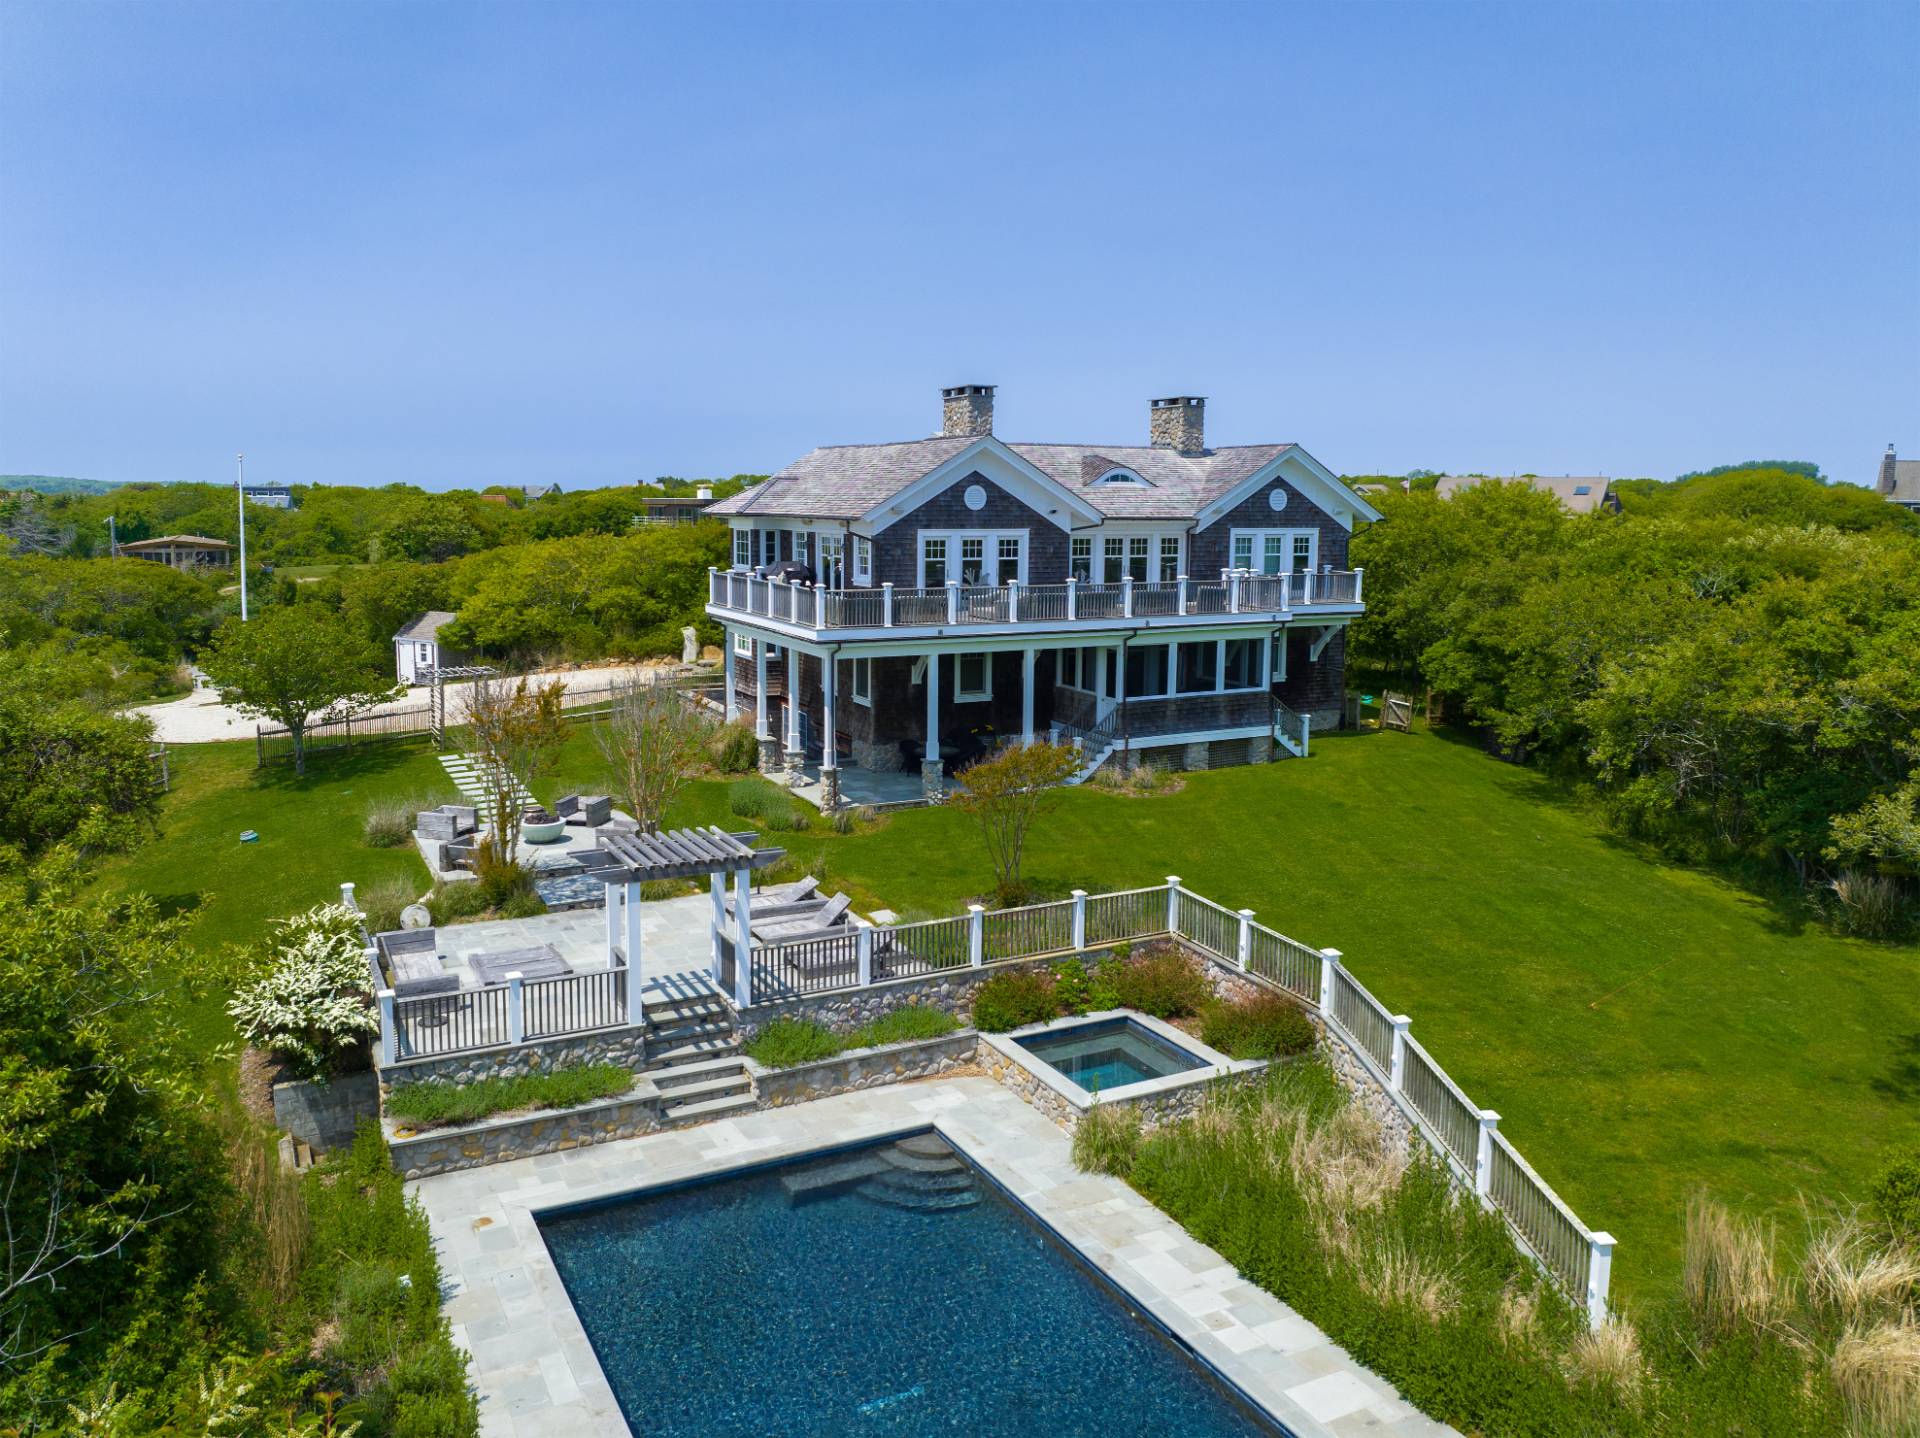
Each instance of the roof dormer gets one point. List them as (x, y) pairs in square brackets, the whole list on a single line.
[(1120, 475)]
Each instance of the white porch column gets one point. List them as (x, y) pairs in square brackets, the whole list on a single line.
[(726, 662), (717, 886), (829, 743), (634, 1002), (614, 892), (1173, 665), (796, 754), (743, 938), (760, 729), (1220, 666), (1026, 695), (931, 779)]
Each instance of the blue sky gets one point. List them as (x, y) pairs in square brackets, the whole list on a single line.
[(464, 244)]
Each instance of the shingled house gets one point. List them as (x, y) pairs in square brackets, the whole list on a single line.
[(1900, 481), (895, 610)]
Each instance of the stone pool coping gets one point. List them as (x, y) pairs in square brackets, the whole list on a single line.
[(536, 1372), (1214, 1063)]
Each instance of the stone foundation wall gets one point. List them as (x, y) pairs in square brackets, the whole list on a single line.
[(615, 1046), (443, 1150), (865, 1068), (325, 1115), (1154, 1109), (949, 990)]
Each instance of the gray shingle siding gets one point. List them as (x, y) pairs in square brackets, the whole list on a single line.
[(1210, 550), (896, 549)]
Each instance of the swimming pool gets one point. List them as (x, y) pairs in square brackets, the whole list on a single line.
[(887, 1289), (1109, 1053)]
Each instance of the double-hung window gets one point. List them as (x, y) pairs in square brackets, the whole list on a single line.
[(1169, 558), (972, 676), (1275, 551), (1116, 551), (1081, 565), (862, 559), (743, 643), (863, 682), (972, 557), (743, 549), (833, 568)]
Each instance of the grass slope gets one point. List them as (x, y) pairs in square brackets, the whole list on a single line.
[(1643, 1029)]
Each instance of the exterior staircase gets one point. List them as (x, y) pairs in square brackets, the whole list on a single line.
[(470, 778), (694, 1058)]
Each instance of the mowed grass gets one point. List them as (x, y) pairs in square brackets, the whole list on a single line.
[(1644, 1030)]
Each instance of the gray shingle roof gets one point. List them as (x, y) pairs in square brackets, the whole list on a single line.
[(846, 481), (1581, 494), (1906, 481), (427, 626)]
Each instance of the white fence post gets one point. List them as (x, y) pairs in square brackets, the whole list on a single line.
[(1073, 598), (1397, 1070), (1359, 577), (863, 946), (1233, 592), (1013, 601), (516, 1007), (1079, 918), (1599, 1276), (886, 605), (1126, 595), (953, 604), (976, 934), (389, 1031), (1329, 964), (1483, 1156), (1173, 903), (1244, 948), (1182, 591), (346, 897)]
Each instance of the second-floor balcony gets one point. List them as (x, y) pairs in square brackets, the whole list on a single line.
[(1257, 597)]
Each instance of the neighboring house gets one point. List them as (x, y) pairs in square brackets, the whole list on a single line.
[(1166, 601), (1900, 481), (539, 491), (181, 551), (272, 496), (1577, 494), (675, 509), (417, 651)]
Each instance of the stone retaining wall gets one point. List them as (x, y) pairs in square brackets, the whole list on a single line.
[(495, 1140), (949, 990), (613, 1046), (325, 1115), (865, 1068)]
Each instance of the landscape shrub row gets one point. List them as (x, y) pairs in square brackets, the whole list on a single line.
[(444, 1103), (786, 1042)]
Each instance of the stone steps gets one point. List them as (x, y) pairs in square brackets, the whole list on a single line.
[(694, 1051), (680, 1075), (819, 1182), (709, 1108)]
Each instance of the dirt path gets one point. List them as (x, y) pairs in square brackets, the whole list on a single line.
[(200, 717)]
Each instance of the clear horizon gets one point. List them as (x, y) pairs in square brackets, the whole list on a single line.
[(470, 245)]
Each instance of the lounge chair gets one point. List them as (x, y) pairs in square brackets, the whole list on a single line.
[(800, 891), (810, 926), (413, 959)]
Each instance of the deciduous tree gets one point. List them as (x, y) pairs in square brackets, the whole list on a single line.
[(1005, 794), (297, 666)]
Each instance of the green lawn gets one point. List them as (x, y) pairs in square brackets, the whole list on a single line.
[(1643, 1029)]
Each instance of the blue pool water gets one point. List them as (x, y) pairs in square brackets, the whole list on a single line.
[(1107, 1053), (885, 1290)]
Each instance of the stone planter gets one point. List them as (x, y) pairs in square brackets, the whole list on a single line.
[(864, 1068), (325, 1115)]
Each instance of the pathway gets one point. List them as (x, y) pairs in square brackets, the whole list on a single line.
[(470, 777)]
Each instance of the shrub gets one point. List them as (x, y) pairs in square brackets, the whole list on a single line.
[(458, 899), (1107, 1138), (1080, 992), (381, 902), (776, 809), (443, 1103), (389, 822), (902, 1025), (734, 749), (1009, 1001), (310, 1004), (1168, 985), (1730, 1278), (1896, 1196), (1868, 905), (786, 1042), (1264, 1026)]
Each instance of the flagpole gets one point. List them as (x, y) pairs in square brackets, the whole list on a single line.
[(240, 493)]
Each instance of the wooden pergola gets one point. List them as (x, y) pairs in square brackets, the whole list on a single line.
[(623, 862)]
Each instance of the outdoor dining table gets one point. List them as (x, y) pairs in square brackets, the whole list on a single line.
[(542, 961)]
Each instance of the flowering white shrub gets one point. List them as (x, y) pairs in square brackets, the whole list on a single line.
[(312, 1002)]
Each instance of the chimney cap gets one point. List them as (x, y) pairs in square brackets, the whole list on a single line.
[(961, 391), (1178, 399)]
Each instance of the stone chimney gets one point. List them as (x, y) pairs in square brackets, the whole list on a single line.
[(966, 410), (1179, 423), (1886, 472)]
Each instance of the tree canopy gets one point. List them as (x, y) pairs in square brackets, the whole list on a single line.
[(296, 664)]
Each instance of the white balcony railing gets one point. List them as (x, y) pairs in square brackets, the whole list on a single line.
[(808, 606)]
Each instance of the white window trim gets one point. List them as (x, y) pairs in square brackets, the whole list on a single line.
[(990, 549), (1121, 475), (743, 643), (743, 549), (973, 696), (862, 567), (1259, 537), (854, 686), (1127, 534)]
